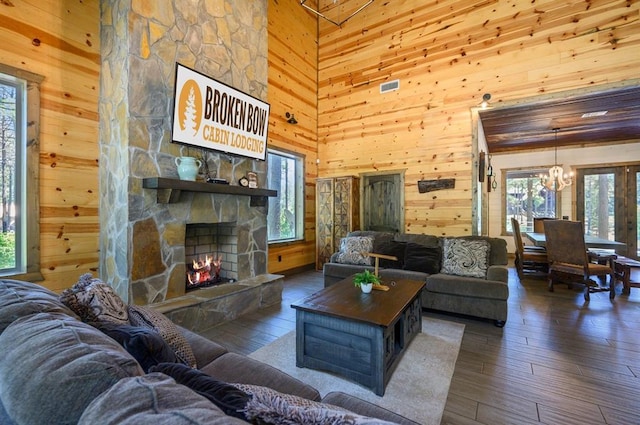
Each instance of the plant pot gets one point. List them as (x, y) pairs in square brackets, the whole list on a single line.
[(366, 287)]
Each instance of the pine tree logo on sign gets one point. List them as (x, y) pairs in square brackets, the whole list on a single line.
[(190, 107)]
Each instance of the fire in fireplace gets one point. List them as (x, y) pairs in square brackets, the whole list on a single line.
[(204, 272)]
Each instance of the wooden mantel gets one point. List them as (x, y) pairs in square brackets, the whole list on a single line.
[(169, 190)]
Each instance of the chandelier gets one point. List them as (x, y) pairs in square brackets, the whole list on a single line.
[(557, 179), (334, 21)]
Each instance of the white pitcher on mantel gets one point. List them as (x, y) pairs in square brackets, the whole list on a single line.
[(188, 167)]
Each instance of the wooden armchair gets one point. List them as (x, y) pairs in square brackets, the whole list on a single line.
[(569, 260), (530, 260)]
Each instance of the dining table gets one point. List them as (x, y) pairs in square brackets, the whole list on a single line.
[(539, 239)]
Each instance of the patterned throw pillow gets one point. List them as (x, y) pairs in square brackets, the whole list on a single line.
[(465, 257), (354, 250), (146, 317), (95, 301)]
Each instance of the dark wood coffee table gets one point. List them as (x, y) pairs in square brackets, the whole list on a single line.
[(355, 335)]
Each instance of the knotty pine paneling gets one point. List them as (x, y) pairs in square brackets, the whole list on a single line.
[(447, 54), (293, 58), (61, 41)]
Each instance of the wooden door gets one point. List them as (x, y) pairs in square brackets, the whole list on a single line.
[(383, 202), (608, 202)]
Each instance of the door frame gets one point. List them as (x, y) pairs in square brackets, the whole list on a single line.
[(364, 181)]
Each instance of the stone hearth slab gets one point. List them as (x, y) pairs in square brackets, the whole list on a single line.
[(203, 308)]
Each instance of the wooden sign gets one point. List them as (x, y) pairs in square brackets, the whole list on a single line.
[(431, 185)]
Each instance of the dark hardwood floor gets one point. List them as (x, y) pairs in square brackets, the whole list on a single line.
[(558, 360)]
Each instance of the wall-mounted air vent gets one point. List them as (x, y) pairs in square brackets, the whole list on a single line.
[(390, 86)]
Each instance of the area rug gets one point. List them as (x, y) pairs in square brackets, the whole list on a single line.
[(417, 389)]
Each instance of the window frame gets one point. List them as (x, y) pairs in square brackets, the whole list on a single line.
[(31, 191), (505, 216), (300, 161)]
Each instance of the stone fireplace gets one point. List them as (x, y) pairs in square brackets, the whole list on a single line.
[(142, 246)]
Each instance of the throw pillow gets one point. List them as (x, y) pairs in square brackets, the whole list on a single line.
[(395, 249), (354, 250), (144, 344), (420, 258), (272, 407), (465, 257), (95, 301), (230, 399), (146, 317)]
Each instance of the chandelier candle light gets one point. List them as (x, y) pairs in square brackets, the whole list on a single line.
[(556, 179)]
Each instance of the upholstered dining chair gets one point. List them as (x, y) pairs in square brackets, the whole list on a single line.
[(530, 260), (569, 260)]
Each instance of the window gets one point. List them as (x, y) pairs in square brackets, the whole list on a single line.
[(285, 221), (525, 198), (19, 169), (12, 178)]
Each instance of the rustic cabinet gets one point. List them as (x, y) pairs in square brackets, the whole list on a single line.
[(337, 213)]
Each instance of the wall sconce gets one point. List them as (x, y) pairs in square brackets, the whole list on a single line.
[(485, 100), (291, 119)]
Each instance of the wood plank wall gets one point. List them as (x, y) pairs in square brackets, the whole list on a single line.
[(447, 54), (293, 58), (60, 40)]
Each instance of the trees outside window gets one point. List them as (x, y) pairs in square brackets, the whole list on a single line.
[(526, 198), (285, 220), (11, 92), (19, 173)]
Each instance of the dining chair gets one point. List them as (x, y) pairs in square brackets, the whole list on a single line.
[(538, 223), (530, 260), (569, 260)]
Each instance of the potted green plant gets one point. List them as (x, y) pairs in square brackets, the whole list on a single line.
[(365, 281)]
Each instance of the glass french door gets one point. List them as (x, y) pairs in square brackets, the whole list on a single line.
[(608, 203)]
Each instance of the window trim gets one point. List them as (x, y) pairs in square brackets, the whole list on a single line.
[(32, 162), (300, 194)]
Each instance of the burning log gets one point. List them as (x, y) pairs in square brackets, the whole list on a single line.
[(205, 272)]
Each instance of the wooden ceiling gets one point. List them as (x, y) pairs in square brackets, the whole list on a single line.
[(531, 126)]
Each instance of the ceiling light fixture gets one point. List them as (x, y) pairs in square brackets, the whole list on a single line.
[(556, 180), (335, 2)]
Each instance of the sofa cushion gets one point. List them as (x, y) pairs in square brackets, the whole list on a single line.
[(269, 406), (51, 353), (465, 257), (95, 301), (365, 408), (354, 250), (420, 258), (230, 399), (419, 238), (149, 318), (233, 367), (469, 287), (19, 299), (393, 248), (153, 399), (390, 275), (144, 344)]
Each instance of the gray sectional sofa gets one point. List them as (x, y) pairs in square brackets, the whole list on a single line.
[(57, 369), (482, 292)]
